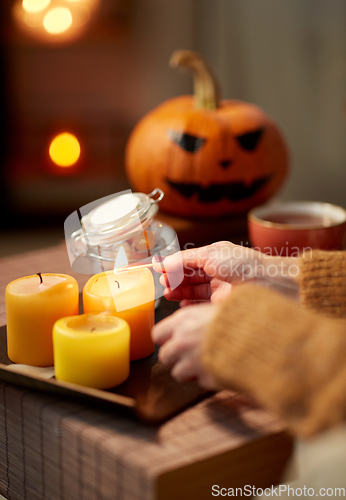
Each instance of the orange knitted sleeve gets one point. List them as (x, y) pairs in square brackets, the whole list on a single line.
[(290, 359), (322, 282)]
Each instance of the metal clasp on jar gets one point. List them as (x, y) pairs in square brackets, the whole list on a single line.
[(154, 193)]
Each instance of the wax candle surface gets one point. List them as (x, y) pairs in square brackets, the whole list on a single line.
[(32, 308), (92, 350), (129, 295)]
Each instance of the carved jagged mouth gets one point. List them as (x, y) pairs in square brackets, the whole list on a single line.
[(234, 191)]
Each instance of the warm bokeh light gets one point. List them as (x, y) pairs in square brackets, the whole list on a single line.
[(64, 150), (81, 14), (32, 20), (57, 20), (54, 21), (34, 6)]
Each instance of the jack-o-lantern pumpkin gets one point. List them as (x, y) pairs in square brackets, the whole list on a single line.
[(210, 157)]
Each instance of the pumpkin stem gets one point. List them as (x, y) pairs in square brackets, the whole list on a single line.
[(206, 85)]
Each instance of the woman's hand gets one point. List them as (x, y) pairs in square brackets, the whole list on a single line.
[(209, 272), (181, 337)]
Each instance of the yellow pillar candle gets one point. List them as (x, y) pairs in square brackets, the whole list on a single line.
[(129, 295), (92, 350), (33, 304)]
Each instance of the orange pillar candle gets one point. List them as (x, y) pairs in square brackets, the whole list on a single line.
[(92, 350), (129, 295), (33, 304)]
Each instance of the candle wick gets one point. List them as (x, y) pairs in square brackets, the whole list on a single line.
[(93, 329), (117, 283), (40, 277)]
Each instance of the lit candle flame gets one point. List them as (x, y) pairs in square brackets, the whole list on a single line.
[(121, 259)]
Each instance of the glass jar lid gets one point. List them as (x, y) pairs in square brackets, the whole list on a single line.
[(120, 216)]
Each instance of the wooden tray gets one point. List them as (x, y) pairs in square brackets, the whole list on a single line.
[(149, 393)]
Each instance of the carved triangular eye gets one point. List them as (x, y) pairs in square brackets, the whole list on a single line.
[(249, 141), (190, 143)]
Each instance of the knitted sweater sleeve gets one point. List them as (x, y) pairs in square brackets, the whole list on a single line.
[(322, 280), (290, 359)]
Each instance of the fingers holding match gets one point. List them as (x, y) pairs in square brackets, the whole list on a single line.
[(195, 278), (185, 259), (189, 292)]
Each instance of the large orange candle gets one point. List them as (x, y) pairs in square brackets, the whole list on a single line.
[(33, 304), (129, 295)]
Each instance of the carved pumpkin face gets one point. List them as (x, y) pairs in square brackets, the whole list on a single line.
[(207, 162)]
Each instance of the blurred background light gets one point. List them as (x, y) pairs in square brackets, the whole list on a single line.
[(34, 6), (81, 13), (64, 150), (57, 20), (110, 67), (32, 20)]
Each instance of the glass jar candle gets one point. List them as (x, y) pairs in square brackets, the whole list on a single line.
[(119, 230)]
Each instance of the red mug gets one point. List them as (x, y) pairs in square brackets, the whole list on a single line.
[(287, 229)]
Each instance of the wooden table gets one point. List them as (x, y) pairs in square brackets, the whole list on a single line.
[(51, 448)]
